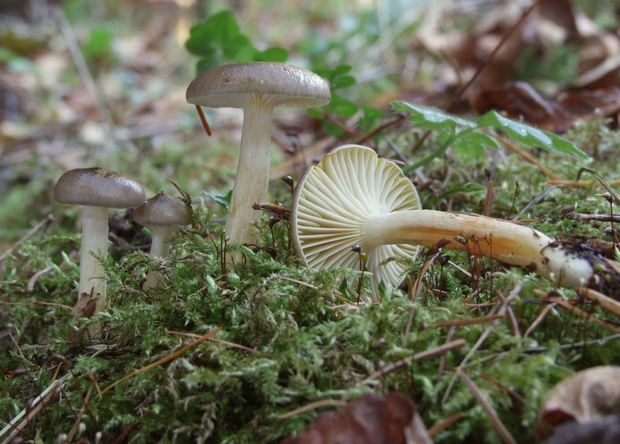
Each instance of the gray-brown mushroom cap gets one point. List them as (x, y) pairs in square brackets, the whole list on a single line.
[(162, 209), (98, 187), (230, 85)]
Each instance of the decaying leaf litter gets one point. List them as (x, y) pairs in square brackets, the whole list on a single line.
[(289, 337)]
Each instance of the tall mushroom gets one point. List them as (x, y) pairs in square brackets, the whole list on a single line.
[(162, 215), (354, 198), (97, 190), (257, 88)]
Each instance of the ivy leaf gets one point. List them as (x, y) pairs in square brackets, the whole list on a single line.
[(529, 135), (432, 118)]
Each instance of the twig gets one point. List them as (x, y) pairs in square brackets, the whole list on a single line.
[(604, 301), (36, 276), (539, 319), (89, 82), (163, 360), (219, 341), (501, 310), (445, 424), (427, 354), (479, 320), (497, 423), (48, 219), (597, 217), (577, 311), (313, 406), (35, 406), (531, 159)]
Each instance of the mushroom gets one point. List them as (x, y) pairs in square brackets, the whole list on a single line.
[(257, 88), (162, 215), (585, 405), (97, 190), (353, 198)]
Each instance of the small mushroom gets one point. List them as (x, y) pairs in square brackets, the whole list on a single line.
[(582, 408), (354, 198), (257, 88), (162, 215), (97, 190)]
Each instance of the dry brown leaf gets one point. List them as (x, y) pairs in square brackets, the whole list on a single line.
[(369, 419), (588, 395)]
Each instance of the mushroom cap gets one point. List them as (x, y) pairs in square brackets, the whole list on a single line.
[(334, 199), (587, 395), (161, 209), (98, 187), (230, 85)]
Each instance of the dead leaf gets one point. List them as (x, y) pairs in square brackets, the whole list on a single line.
[(369, 419), (588, 395)]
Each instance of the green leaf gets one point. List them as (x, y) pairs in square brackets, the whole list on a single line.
[(275, 54), (471, 145), (529, 135), (343, 107), (222, 199), (431, 118), (343, 82), (98, 43)]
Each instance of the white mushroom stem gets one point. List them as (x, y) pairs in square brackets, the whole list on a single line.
[(481, 236), (252, 177), (160, 247), (94, 246)]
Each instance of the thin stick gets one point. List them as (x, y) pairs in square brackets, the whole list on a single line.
[(609, 304), (480, 320), (445, 424), (163, 360), (43, 398), (203, 119), (89, 82), (48, 219), (313, 406), (487, 331), (497, 423), (427, 354), (219, 341), (531, 159), (577, 311), (597, 217), (539, 319)]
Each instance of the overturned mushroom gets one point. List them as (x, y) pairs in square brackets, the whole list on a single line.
[(257, 88), (354, 198), (97, 190), (162, 215)]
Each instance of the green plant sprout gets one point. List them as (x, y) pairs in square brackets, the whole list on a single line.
[(467, 139), (219, 40)]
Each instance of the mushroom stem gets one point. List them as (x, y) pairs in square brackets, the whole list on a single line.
[(94, 246), (481, 236), (252, 177), (160, 247)]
